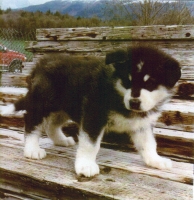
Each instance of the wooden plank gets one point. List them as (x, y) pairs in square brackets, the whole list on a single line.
[(175, 144), (187, 73), (177, 114), (16, 80), (182, 51), (28, 67), (12, 122), (15, 139), (121, 174), (160, 32), (45, 185), (184, 89), (11, 94)]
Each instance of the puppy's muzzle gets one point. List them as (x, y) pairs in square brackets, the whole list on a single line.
[(134, 104)]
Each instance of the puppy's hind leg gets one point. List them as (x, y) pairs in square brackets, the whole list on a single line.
[(53, 128), (32, 134), (32, 149)]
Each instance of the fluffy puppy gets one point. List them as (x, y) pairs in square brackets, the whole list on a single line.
[(123, 93)]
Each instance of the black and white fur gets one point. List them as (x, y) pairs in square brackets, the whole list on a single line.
[(123, 93)]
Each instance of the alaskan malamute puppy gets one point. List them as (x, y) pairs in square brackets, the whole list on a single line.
[(123, 93)]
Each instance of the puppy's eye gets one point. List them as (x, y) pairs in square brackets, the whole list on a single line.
[(126, 82), (150, 84), (130, 77), (146, 77)]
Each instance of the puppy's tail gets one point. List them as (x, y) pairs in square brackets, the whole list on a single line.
[(12, 108)]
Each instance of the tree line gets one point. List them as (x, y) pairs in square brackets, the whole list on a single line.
[(25, 23), (116, 13)]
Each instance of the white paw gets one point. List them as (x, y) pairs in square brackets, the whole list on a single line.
[(86, 167), (159, 162), (35, 153), (68, 141)]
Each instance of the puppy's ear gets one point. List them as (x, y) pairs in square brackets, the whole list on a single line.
[(117, 56), (172, 72)]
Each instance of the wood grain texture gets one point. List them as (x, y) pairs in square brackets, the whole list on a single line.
[(182, 51), (118, 33), (123, 175)]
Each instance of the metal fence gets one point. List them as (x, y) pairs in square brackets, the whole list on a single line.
[(16, 41)]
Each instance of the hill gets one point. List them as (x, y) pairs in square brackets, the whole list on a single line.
[(73, 8), (85, 8)]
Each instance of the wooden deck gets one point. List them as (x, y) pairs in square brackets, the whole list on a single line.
[(123, 174)]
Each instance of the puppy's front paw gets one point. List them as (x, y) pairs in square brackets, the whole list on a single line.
[(159, 162), (37, 153), (86, 167)]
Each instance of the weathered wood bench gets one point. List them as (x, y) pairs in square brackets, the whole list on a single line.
[(123, 174)]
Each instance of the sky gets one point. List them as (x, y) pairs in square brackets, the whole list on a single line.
[(4, 4)]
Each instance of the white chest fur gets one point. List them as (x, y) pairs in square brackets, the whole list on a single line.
[(121, 124)]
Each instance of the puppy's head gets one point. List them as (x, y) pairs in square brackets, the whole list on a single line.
[(145, 76)]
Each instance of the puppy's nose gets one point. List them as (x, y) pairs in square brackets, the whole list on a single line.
[(134, 104)]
